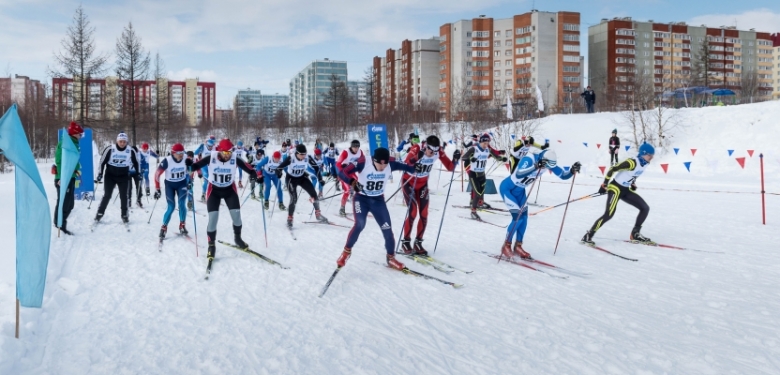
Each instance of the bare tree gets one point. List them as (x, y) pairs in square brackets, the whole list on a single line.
[(749, 86), (368, 77), (80, 61), (132, 67), (702, 68), (160, 104)]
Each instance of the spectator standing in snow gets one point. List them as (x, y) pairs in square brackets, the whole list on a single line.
[(590, 98), (614, 146)]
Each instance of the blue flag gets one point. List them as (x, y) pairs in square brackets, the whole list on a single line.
[(730, 152), (676, 150), (585, 143), (627, 147), (70, 158), (32, 210), (688, 165)]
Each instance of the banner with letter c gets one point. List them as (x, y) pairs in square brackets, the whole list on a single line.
[(377, 137)]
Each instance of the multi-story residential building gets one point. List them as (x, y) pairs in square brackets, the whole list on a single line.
[(489, 59), (248, 104), (272, 105), (310, 86), (358, 90), (105, 97), (20, 89), (407, 77), (776, 64), (624, 54), (223, 117)]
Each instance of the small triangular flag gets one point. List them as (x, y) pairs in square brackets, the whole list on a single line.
[(741, 162), (598, 146), (665, 167), (559, 141), (693, 151), (730, 152), (512, 136), (627, 147), (585, 143), (602, 169), (750, 152), (688, 165), (676, 150)]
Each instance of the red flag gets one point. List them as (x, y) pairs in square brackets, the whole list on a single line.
[(598, 145), (559, 141), (665, 167), (693, 151), (750, 152), (602, 169), (741, 162)]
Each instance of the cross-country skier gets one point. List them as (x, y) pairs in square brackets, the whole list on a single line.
[(415, 188), (241, 154), (352, 155), (205, 149), (368, 180), (331, 153), (614, 147), (75, 132), (413, 140), (135, 176), (623, 187), (513, 192), (116, 161), (174, 167), (145, 153), (475, 161), (295, 167), (272, 177), (259, 155), (222, 164), (521, 148), (315, 171)]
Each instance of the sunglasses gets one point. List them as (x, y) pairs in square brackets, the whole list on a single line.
[(226, 153), (178, 152), (433, 148), (383, 162)]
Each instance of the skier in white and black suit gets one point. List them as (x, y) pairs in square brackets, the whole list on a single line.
[(222, 164), (117, 160)]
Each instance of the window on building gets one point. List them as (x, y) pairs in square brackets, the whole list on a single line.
[(497, 43), (571, 27), (496, 34), (497, 63), (508, 72), (508, 33), (508, 43), (507, 62)]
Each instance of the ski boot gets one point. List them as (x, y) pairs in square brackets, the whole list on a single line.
[(343, 211), (506, 250), (147, 191), (266, 205), (519, 251), (203, 197), (637, 237), (163, 231), (212, 251), (418, 248), (484, 205), (183, 229), (474, 215), (281, 206), (64, 228), (289, 222), (138, 202), (394, 263), (319, 217), (406, 247), (125, 219), (588, 238), (338, 186), (342, 261), (237, 238), (240, 185), (190, 204), (98, 216)]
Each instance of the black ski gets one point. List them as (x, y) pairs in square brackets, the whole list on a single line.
[(608, 252), (208, 268), (483, 221), (521, 264), (252, 252), (329, 223), (408, 271), (330, 280)]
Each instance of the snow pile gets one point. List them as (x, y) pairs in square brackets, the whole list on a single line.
[(114, 304)]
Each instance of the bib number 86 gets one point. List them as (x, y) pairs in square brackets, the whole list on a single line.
[(374, 185)]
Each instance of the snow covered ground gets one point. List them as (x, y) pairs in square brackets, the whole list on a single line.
[(114, 304)]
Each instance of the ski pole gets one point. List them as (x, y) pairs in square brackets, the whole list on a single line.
[(399, 189), (153, 207), (564, 214), (412, 201), (564, 203), (446, 200), (265, 230), (540, 188), (195, 225), (520, 212)]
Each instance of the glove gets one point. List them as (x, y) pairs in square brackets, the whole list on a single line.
[(456, 156), (99, 178), (603, 189), (504, 159), (502, 152), (252, 177), (531, 141), (575, 168), (356, 186), (278, 173), (157, 194), (542, 163), (188, 162), (632, 187), (546, 145), (473, 159), (200, 176), (322, 183), (56, 182)]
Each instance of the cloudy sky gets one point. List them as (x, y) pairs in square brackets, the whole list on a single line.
[(262, 43)]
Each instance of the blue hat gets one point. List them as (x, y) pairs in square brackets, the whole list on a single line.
[(239, 143), (646, 148), (210, 142)]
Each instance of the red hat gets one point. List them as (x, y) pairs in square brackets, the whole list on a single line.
[(317, 151), (176, 148), (75, 128), (145, 146), (225, 145), (277, 155)]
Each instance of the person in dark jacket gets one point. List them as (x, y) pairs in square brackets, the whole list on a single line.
[(614, 147), (75, 131), (590, 98), (117, 160)]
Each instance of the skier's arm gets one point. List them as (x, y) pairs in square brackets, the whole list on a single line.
[(201, 163), (467, 157), (626, 165), (284, 164), (413, 155), (160, 170), (259, 166), (104, 160), (445, 161), (341, 158), (348, 173), (245, 167), (134, 160), (199, 150), (560, 172), (396, 166), (526, 167), (401, 146)]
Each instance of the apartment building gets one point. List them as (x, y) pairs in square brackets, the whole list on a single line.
[(492, 59), (406, 78), (272, 105), (310, 86), (623, 53), (106, 96), (248, 103), (20, 90), (358, 90), (776, 64)]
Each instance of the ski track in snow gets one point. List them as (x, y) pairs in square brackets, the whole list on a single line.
[(114, 304)]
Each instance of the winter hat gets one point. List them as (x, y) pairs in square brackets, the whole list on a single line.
[(240, 144), (177, 148), (382, 155), (225, 145), (317, 152), (484, 138), (646, 148), (75, 128), (433, 141), (614, 131), (121, 137), (332, 144), (210, 142), (355, 143), (300, 149), (277, 155), (550, 156), (144, 146)]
